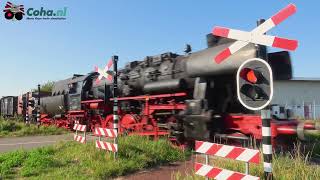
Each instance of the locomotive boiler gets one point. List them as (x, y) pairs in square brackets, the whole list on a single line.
[(180, 96)]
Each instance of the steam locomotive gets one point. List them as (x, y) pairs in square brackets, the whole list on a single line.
[(180, 96)]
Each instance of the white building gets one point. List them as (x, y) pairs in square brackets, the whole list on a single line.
[(300, 95)]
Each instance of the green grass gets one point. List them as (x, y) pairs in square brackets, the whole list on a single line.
[(293, 166), (19, 128), (72, 160)]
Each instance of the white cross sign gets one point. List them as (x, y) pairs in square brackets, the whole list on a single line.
[(104, 73), (257, 35)]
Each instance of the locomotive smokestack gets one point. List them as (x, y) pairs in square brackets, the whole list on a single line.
[(211, 40)]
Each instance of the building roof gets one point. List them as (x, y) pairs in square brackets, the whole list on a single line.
[(304, 79)]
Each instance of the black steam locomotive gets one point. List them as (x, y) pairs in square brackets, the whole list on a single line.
[(180, 96)]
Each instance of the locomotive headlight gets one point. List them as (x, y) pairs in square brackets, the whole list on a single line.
[(254, 84)]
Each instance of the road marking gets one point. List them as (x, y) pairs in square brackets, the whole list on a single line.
[(35, 142)]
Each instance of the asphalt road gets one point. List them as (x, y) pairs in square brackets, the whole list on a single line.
[(30, 142)]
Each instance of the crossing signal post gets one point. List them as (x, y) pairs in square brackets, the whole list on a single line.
[(27, 109), (254, 77), (115, 98), (38, 107)]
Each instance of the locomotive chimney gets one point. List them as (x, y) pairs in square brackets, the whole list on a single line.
[(211, 40)]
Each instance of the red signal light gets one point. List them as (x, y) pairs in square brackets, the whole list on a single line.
[(249, 75)]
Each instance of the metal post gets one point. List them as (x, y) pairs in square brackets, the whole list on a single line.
[(266, 121), (38, 107), (304, 113), (115, 96), (266, 143), (247, 167), (105, 93), (314, 110), (207, 163)]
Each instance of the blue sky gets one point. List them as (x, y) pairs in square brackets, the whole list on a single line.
[(33, 52)]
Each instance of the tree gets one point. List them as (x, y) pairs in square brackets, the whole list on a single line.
[(46, 87)]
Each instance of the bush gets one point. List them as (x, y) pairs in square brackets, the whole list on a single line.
[(9, 126), (17, 128)]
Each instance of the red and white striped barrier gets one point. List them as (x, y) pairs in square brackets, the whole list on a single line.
[(107, 146), (256, 35), (79, 127), (230, 152), (78, 138), (108, 133), (112, 133), (218, 173)]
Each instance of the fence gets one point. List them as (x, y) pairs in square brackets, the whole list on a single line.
[(231, 152), (302, 110)]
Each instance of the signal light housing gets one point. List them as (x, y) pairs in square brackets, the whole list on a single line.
[(254, 84), (31, 103)]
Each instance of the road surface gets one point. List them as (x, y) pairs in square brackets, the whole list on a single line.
[(30, 142)]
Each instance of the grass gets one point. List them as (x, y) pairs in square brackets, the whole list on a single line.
[(293, 166), (72, 160), (19, 128)]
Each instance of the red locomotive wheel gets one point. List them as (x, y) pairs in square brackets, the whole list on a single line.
[(127, 122), (8, 15)]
